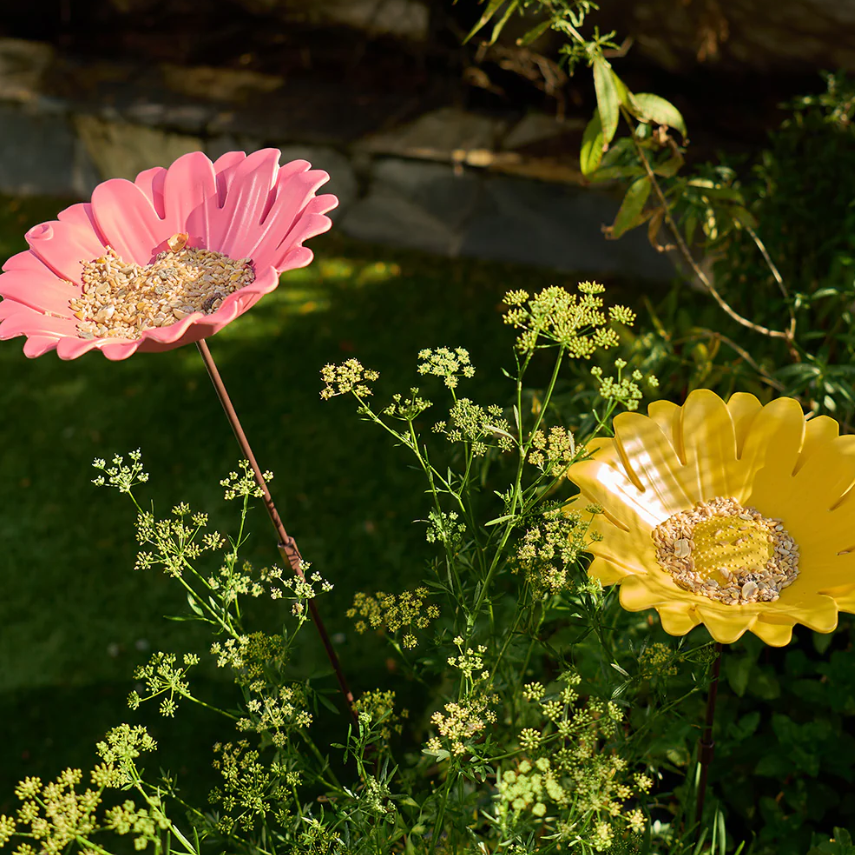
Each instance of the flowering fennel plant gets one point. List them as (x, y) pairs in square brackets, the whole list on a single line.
[(537, 694)]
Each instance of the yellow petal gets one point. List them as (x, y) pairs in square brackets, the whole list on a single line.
[(828, 533), (604, 480), (707, 447), (807, 502), (667, 415), (774, 633), (632, 550), (678, 618), (650, 460), (844, 596), (821, 565), (816, 611), (771, 450), (743, 410), (606, 572), (818, 432), (641, 592), (826, 474), (726, 624), (804, 500)]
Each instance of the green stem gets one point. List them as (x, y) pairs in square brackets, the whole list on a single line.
[(333, 780), (437, 829), (525, 447), (140, 788)]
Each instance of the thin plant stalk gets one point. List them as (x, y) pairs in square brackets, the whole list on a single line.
[(287, 544), (706, 746)]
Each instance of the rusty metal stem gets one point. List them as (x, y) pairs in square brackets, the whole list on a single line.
[(287, 544), (706, 747)]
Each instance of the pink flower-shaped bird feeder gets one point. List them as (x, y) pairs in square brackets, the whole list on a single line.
[(164, 260)]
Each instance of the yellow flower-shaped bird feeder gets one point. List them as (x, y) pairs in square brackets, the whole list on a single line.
[(734, 515)]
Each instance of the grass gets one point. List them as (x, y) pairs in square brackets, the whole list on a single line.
[(76, 617)]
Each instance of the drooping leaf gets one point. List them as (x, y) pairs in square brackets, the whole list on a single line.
[(535, 34), (608, 98), (610, 173), (743, 216), (630, 213), (500, 24), (670, 167), (691, 225), (654, 108), (492, 7), (591, 154), (626, 98), (653, 227)]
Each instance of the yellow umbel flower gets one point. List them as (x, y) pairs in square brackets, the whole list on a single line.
[(735, 515)]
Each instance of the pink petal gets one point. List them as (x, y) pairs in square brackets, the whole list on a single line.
[(16, 319), (39, 289), (293, 195), (283, 175), (128, 220), (38, 345), (62, 246), (233, 225), (71, 348), (151, 183), (224, 168), (23, 261), (293, 259), (116, 349), (190, 191), (309, 225), (80, 215)]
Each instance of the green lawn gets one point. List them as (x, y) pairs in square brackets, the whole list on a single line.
[(74, 614)]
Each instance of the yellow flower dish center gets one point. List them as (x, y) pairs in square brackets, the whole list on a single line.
[(726, 552), (732, 543)]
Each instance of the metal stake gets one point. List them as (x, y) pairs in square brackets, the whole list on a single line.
[(287, 544), (706, 745)]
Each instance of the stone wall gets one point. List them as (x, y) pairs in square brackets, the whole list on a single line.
[(447, 181)]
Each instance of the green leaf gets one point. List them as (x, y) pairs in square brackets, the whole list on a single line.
[(721, 832), (764, 685), (825, 292), (745, 727), (535, 34), (624, 95), (690, 227), (653, 108), (822, 641), (500, 24), (716, 191), (773, 766), (737, 669), (492, 7), (591, 154), (609, 173), (670, 167), (327, 703), (440, 754), (194, 606), (630, 213), (608, 97), (743, 216), (842, 836)]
